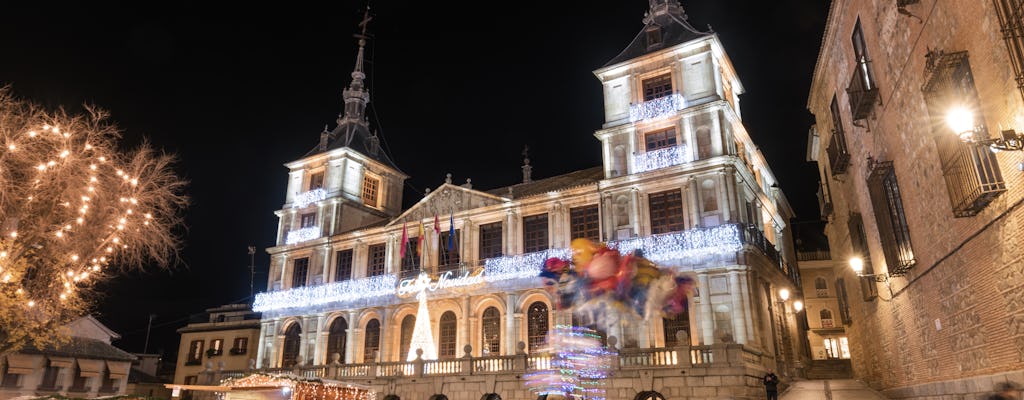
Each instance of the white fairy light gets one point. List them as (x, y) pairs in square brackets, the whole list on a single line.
[(690, 243), (340, 292), (302, 235), (661, 158), (519, 266), (310, 197), (657, 108)]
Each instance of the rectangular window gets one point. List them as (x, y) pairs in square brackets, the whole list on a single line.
[(240, 346), (859, 243), (660, 139), (343, 265), (863, 92), (371, 191), (657, 87), (300, 269), (316, 181), (490, 240), (448, 259), (195, 353), (216, 347), (375, 265), (584, 223), (972, 174), (1011, 22), (49, 381), (11, 380), (844, 302), (891, 220), (308, 220), (411, 262), (838, 154), (653, 36), (666, 211), (535, 233)]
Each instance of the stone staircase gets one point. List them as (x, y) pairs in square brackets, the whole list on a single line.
[(829, 369)]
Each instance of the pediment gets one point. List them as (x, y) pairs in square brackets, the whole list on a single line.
[(447, 199)]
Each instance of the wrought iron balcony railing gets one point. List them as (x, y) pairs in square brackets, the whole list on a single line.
[(862, 91), (838, 155)]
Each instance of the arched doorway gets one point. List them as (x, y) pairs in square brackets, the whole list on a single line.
[(336, 337), (372, 343), (292, 342), (491, 334), (537, 325), (447, 327)]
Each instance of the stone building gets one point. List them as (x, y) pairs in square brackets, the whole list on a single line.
[(681, 180), (222, 339), (913, 99)]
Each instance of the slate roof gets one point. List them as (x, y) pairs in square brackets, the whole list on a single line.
[(357, 137), (555, 183), (83, 348), (674, 30)]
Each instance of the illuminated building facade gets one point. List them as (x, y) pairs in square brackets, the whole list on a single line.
[(930, 208), (681, 180)]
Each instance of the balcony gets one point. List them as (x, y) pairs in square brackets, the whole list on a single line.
[(838, 155), (657, 108), (660, 158), (306, 198), (302, 235), (862, 91)]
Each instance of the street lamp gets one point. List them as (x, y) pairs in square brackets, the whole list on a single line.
[(857, 265), (798, 306), (784, 294), (963, 122)]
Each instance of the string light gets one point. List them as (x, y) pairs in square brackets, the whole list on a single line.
[(661, 158), (345, 292), (657, 108), (302, 235), (310, 197), (298, 388), (519, 266)]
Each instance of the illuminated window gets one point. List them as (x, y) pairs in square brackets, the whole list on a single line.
[(241, 346), (448, 326), (492, 331), (308, 220), (672, 327), (371, 189), (666, 210), (838, 154), (343, 265), (195, 352), (292, 342), (863, 90), (216, 347), (371, 345), (584, 223), (300, 270), (336, 336), (537, 325), (490, 240), (535, 233), (375, 266), (660, 139), (657, 87), (316, 181)]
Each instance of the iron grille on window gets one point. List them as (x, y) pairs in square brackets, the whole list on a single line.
[(672, 327), (492, 330), (535, 233), (300, 268), (490, 240), (1011, 22), (375, 266), (859, 244), (584, 223), (292, 343), (666, 211), (863, 92), (448, 259), (537, 325), (447, 327), (372, 343), (891, 220), (838, 155), (336, 336), (972, 174), (343, 265)]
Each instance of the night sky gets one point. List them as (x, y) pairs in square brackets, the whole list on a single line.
[(236, 92)]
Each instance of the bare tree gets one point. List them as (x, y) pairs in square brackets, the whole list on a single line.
[(74, 210)]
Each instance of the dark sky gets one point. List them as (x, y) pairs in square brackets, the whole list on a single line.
[(236, 92)]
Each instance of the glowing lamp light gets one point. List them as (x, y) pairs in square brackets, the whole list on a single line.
[(798, 305), (784, 294), (857, 265), (961, 120)]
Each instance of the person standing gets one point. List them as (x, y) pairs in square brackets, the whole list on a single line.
[(771, 385)]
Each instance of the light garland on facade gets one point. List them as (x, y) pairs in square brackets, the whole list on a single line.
[(341, 292), (520, 266), (661, 158), (302, 235), (298, 388), (657, 108), (310, 197), (690, 243)]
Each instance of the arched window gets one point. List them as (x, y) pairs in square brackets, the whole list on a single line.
[(446, 340), (405, 340), (673, 326), (372, 342), (292, 341), (336, 339), (537, 325), (491, 331)]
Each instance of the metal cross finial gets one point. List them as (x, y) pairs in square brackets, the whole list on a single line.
[(366, 21)]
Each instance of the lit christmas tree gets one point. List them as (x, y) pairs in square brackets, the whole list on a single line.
[(421, 336)]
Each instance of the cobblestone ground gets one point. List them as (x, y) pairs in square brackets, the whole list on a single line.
[(831, 389)]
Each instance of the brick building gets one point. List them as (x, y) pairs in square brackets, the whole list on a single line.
[(937, 221)]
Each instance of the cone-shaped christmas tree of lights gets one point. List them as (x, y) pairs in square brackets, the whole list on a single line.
[(421, 336)]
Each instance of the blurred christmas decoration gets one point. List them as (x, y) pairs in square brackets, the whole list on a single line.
[(579, 365), (293, 387), (74, 208)]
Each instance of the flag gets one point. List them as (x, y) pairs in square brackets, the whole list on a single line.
[(405, 241), (437, 226), (419, 247), (451, 231)]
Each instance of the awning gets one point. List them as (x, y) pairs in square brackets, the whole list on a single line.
[(62, 362), (119, 369), (22, 364), (90, 368)]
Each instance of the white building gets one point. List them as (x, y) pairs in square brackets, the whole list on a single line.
[(681, 180)]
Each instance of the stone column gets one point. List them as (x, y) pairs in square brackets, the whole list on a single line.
[(634, 197), (464, 327), (738, 314), (511, 336), (350, 338), (510, 233), (748, 305), (320, 340), (724, 200), (384, 353), (692, 191), (605, 210), (517, 328), (325, 276), (303, 341), (261, 345), (474, 336), (707, 325)]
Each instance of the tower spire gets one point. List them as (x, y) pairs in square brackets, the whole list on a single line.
[(356, 96)]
